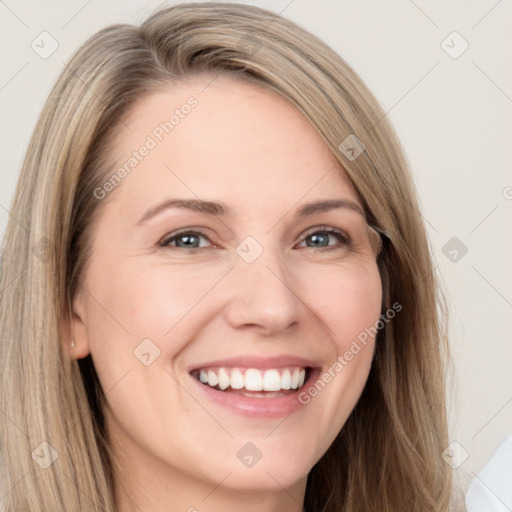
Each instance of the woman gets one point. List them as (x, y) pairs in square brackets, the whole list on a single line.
[(225, 300)]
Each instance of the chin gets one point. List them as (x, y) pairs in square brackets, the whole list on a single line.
[(265, 478)]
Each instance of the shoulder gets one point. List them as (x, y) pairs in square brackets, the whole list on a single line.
[(491, 489)]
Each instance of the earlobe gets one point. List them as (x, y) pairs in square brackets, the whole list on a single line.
[(75, 337), (78, 351)]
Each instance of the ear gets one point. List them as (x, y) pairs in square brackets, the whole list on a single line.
[(74, 327)]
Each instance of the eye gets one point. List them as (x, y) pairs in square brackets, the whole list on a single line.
[(320, 238), (185, 240)]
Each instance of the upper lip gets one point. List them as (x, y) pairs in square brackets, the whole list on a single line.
[(257, 362)]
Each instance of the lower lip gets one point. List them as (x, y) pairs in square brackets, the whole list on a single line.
[(275, 407)]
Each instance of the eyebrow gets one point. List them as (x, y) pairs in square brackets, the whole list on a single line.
[(218, 209)]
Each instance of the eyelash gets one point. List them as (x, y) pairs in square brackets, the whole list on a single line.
[(342, 237)]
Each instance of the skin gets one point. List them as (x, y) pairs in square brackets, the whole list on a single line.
[(249, 148)]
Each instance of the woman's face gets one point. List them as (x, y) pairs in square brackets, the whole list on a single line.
[(264, 290)]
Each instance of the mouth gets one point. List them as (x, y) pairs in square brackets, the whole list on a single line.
[(254, 382), (256, 387)]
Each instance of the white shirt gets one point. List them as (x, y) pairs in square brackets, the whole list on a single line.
[(491, 489)]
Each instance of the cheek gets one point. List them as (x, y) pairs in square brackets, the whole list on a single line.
[(350, 308), (348, 303), (154, 302)]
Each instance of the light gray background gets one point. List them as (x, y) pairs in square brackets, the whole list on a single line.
[(454, 118)]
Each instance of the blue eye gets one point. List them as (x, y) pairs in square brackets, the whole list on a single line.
[(191, 240), (320, 238), (185, 240)]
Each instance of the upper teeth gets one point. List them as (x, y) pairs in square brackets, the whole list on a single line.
[(253, 379)]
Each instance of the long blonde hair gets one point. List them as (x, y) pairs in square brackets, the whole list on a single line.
[(387, 456)]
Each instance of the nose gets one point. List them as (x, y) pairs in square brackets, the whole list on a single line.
[(263, 297)]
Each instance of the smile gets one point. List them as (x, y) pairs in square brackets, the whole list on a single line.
[(253, 386), (247, 381)]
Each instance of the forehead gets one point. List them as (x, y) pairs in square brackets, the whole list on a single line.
[(225, 139)]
